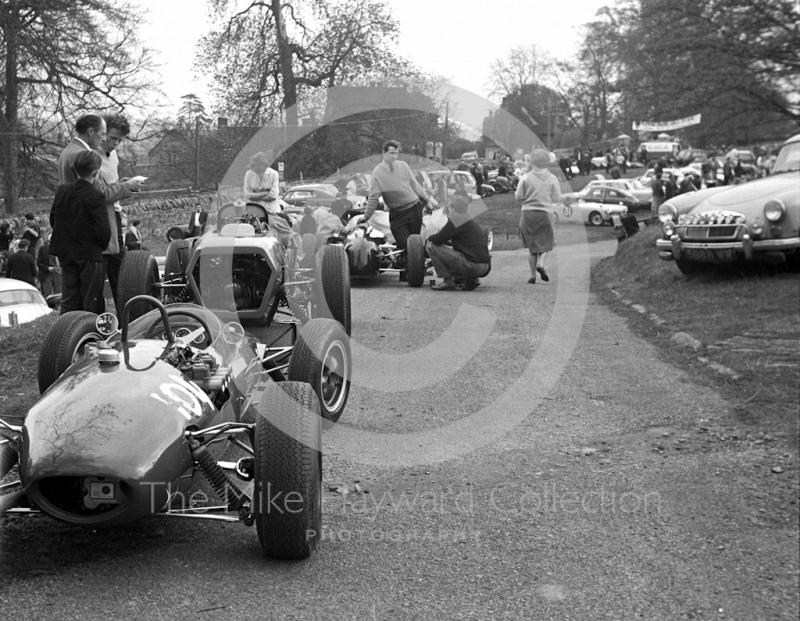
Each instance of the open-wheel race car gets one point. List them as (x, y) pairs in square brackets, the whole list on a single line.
[(371, 249), (137, 415)]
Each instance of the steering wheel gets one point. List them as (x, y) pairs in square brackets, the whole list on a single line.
[(177, 312)]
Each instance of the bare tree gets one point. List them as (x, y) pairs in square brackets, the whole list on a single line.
[(59, 57), (268, 56), (525, 65)]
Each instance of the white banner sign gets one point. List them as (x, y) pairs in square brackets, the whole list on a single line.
[(665, 126)]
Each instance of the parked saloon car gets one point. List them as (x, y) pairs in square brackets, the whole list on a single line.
[(628, 192), (312, 194), (754, 221), (20, 302)]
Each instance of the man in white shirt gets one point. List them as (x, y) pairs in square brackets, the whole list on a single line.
[(261, 183)]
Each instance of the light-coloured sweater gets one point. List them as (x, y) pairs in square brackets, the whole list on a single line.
[(538, 189), (399, 188)]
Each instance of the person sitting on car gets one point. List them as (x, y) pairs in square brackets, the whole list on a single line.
[(469, 258), (261, 183)]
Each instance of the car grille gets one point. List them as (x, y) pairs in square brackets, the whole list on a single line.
[(706, 231)]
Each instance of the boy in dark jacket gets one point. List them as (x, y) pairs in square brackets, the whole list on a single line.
[(81, 231)]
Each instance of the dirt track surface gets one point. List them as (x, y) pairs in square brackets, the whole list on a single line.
[(538, 462)]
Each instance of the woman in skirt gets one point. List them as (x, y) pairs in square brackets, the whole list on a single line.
[(538, 190)]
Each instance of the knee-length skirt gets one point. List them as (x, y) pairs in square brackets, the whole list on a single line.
[(536, 230)]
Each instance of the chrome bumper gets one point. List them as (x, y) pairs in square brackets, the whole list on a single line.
[(672, 248)]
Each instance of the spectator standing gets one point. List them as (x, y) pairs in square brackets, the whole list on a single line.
[(90, 132), (117, 128), (402, 194), (49, 274), (538, 190), (670, 187), (81, 231), (6, 237), (133, 238), (468, 258), (21, 265), (197, 222), (657, 186), (308, 224), (33, 233)]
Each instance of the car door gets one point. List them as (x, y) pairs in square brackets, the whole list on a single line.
[(615, 197), (595, 195), (297, 198)]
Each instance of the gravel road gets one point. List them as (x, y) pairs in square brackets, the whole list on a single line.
[(514, 452)]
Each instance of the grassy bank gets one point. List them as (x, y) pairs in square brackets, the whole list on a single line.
[(747, 319)]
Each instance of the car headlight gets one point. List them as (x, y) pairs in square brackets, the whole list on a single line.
[(667, 212), (774, 210)]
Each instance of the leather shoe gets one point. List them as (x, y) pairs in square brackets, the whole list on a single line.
[(532, 280), (445, 285), (472, 283), (543, 274)]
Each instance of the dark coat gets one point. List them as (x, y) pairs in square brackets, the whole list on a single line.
[(43, 261), (22, 266), (81, 230)]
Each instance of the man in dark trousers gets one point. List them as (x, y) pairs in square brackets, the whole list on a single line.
[(49, 275), (21, 265), (469, 258), (402, 194), (81, 231)]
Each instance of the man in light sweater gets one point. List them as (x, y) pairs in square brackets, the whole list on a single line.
[(403, 196)]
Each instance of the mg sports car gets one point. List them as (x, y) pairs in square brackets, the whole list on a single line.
[(756, 221)]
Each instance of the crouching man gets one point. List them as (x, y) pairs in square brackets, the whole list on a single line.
[(468, 260)]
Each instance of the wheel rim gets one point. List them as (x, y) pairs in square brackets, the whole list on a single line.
[(81, 346), (334, 376)]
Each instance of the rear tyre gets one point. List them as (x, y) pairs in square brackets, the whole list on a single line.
[(287, 491), (595, 218), (415, 261), (332, 285), (322, 358), (137, 276), (178, 254), (65, 344)]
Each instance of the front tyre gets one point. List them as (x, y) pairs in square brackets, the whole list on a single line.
[(65, 344), (322, 358), (596, 218), (332, 286), (287, 490), (178, 254), (137, 276), (415, 261)]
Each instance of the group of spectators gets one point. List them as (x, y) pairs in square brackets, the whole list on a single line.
[(88, 239)]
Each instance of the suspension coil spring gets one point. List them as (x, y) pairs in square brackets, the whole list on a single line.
[(231, 494), (185, 295)]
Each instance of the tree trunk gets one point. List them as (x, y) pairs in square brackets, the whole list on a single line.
[(10, 125), (287, 73)]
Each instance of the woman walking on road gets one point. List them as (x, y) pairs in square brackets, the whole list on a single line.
[(538, 190)]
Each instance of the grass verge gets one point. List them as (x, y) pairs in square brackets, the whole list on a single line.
[(747, 319)]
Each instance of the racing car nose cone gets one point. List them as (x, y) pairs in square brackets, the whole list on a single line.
[(109, 356)]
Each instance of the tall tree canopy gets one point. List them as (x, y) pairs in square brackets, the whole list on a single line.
[(62, 58), (267, 56)]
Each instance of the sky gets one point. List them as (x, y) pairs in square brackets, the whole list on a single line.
[(457, 39)]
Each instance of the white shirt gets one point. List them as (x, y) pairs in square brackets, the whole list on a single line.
[(268, 182)]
